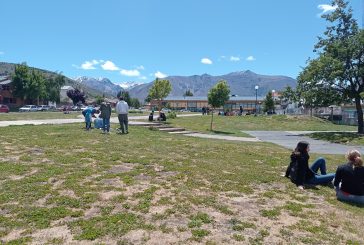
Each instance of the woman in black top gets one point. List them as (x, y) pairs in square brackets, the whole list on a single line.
[(349, 180), (299, 171)]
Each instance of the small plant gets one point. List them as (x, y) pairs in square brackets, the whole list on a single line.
[(171, 115)]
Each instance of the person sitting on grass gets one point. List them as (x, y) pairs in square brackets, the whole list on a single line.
[(300, 173), (98, 122), (349, 179)]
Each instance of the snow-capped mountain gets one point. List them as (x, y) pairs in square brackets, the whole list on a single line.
[(104, 85), (128, 85)]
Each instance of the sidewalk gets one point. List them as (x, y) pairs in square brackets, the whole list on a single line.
[(289, 140)]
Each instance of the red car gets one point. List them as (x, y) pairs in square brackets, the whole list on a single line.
[(4, 108)]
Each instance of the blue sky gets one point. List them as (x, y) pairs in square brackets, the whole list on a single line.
[(137, 40)]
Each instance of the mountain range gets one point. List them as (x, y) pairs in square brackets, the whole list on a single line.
[(241, 83)]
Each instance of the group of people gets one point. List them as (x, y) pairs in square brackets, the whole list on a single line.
[(103, 120), (348, 179)]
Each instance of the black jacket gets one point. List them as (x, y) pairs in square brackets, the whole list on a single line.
[(300, 161), (352, 179)]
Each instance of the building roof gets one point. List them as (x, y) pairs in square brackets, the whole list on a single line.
[(204, 98)]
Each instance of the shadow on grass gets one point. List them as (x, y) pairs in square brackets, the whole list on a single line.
[(221, 132), (336, 137)]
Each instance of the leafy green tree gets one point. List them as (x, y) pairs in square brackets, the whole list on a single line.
[(20, 78), (188, 93), (76, 96), (289, 95), (268, 103), (217, 97), (339, 66), (134, 102), (53, 86), (160, 90), (99, 99), (125, 95)]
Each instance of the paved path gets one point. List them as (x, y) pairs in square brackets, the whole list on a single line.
[(222, 137), (80, 120), (289, 139)]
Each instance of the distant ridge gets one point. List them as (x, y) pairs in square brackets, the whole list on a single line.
[(241, 83)]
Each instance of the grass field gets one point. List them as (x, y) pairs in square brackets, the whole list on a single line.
[(12, 116), (60, 184), (234, 124)]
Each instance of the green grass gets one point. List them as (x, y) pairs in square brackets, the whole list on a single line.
[(233, 125), (101, 187), (13, 116), (348, 138)]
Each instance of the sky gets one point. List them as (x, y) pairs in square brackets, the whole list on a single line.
[(139, 40)]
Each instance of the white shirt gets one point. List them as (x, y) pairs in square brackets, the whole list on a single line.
[(122, 107)]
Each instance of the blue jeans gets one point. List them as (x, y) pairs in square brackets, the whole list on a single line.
[(324, 178), (106, 124), (346, 197)]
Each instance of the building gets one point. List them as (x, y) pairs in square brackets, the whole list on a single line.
[(249, 104), (6, 95)]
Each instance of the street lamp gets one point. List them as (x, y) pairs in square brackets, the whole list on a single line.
[(256, 98), (274, 103)]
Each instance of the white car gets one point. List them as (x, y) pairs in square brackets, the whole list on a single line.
[(28, 108), (43, 108)]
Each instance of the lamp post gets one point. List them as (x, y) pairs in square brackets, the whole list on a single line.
[(256, 98), (274, 103)]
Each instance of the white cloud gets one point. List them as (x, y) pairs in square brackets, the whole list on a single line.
[(140, 67), (130, 73), (326, 8), (143, 78), (206, 61), (234, 58), (109, 66), (159, 74), (89, 65), (250, 58)]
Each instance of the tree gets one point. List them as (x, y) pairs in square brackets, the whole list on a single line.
[(31, 84), (53, 86), (134, 102), (20, 79), (188, 93), (339, 66), (125, 95), (99, 99), (76, 96), (268, 103), (217, 97), (160, 90), (289, 95)]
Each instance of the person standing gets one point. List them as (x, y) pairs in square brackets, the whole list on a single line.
[(122, 109), (349, 179), (87, 113), (105, 109)]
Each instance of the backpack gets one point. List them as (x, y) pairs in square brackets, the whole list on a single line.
[(293, 173)]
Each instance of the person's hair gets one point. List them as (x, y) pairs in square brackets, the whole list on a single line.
[(354, 157), (121, 98), (302, 147)]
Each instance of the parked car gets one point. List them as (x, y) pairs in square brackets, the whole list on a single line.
[(28, 108), (43, 108), (4, 108), (166, 110)]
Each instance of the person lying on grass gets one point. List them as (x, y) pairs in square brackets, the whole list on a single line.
[(300, 173), (349, 179)]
